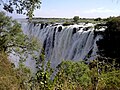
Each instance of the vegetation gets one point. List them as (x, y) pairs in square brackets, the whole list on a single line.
[(72, 75), (67, 23), (13, 40), (10, 78), (69, 75), (98, 19), (76, 18), (25, 7)]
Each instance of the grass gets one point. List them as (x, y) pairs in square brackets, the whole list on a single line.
[(8, 76), (11, 78)]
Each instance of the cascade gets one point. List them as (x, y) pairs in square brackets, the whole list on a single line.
[(74, 42)]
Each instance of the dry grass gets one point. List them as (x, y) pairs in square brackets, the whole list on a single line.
[(8, 76)]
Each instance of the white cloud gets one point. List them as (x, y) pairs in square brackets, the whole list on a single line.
[(101, 10)]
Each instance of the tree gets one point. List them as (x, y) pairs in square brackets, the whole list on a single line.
[(25, 7), (98, 19), (12, 39), (76, 18)]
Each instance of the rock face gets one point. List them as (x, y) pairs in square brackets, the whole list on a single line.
[(109, 46), (72, 42)]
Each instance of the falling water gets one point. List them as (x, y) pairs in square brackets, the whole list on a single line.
[(74, 42)]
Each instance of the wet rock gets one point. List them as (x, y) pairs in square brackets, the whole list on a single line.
[(74, 30), (59, 28)]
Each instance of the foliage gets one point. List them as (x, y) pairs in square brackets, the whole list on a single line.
[(70, 75), (104, 75), (67, 23), (110, 81), (113, 24), (74, 73), (76, 18), (97, 75), (13, 40), (10, 78), (98, 19), (21, 6), (42, 79)]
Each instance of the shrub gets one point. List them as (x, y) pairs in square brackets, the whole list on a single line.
[(67, 23), (104, 75), (76, 18), (97, 19), (73, 74)]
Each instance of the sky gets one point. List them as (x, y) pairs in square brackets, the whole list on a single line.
[(81, 8)]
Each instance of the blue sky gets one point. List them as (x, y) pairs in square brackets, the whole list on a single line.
[(82, 8)]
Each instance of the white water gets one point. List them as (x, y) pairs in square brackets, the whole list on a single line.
[(64, 44)]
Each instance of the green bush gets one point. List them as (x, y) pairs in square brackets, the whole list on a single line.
[(75, 73), (67, 23), (104, 75), (76, 18), (70, 75)]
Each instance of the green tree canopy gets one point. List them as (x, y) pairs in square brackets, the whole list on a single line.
[(97, 19), (12, 39), (76, 18), (25, 7)]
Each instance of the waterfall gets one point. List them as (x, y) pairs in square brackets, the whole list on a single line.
[(74, 42)]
